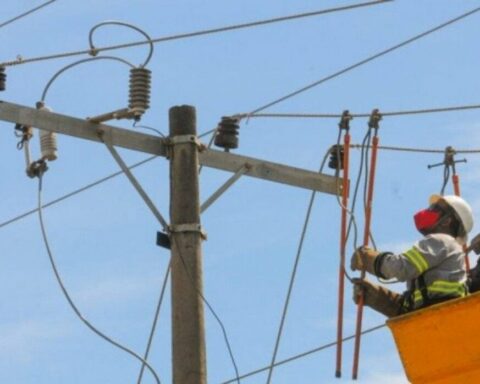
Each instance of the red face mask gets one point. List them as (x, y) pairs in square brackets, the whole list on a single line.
[(426, 219)]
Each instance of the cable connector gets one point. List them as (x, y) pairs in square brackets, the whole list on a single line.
[(3, 79), (345, 120), (448, 160), (37, 168), (373, 122)]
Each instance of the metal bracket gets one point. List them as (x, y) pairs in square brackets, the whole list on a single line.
[(183, 139), (188, 227)]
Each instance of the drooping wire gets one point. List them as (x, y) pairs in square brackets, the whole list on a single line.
[(69, 66), (155, 130), (94, 51), (195, 34), (29, 12), (364, 61), (304, 354), (293, 275), (212, 311), (67, 295)]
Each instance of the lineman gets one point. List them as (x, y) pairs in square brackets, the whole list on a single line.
[(434, 268)]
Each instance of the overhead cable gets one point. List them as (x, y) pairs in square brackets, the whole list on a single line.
[(293, 274), (302, 355), (358, 115), (365, 61), (5, 23), (68, 297), (194, 34), (418, 150)]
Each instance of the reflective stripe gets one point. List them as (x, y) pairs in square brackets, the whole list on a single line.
[(417, 259), (445, 287)]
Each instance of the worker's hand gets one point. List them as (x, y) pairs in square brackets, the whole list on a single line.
[(475, 245), (363, 258), (365, 288)]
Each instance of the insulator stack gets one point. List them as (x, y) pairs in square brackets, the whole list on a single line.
[(3, 79), (139, 93), (48, 140), (336, 157), (227, 133)]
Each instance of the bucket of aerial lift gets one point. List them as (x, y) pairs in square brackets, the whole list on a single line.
[(440, 344)]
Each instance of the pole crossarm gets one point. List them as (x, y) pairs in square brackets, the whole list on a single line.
[(124, 138), (81, 128)]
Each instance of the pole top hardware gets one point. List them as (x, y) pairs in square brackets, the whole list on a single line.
[(345, 120), (448, 160), (374, 120)]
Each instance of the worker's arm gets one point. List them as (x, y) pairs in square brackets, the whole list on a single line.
[(425, 254)]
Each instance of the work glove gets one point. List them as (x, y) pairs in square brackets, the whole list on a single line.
[(364, 259), (376, 297), (475, 245)]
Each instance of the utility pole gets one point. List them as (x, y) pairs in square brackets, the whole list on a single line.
[(188, 326)]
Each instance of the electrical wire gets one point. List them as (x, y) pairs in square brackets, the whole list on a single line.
[(5, 23), (20, 61), (357, 115), (293, 275), (364, 61), (304, 354), (75, 192), (419, 150), (67, 295), (155, 321), (212, 311)]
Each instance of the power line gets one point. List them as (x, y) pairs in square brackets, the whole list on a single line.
[(359, 115), (365, 61), (194, 34), (418, 150), (5, 23), (302, 355), (75, 192)]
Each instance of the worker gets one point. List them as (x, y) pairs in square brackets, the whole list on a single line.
[(434, 268)]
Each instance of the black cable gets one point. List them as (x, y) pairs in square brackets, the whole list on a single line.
[(67, 295), (357, 185), (304, 354), (365, 61), (212, 311), (446, 176), (5, 23)]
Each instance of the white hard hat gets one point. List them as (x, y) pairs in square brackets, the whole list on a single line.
[(461, 208)]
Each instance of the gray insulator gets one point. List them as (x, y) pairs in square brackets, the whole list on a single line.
[(48, 140), (48, 145), (139, 93), (227, 133), (3, 79)]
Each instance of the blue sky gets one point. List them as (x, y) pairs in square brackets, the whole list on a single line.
[(104, 239)]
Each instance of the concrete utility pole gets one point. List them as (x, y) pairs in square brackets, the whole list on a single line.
[(182, 148), (188, 328)]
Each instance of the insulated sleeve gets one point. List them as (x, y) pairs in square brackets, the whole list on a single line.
[(425, 254)]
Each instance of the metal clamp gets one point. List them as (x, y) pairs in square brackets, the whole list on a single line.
[(188, 227), (183, 139)]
